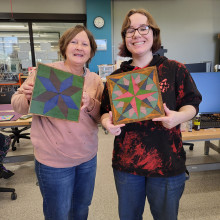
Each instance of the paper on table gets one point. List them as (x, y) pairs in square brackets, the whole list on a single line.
[(6, 117)]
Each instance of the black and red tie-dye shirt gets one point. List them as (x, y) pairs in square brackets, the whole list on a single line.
[(147, 148)]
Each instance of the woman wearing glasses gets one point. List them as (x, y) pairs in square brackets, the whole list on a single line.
[(148, 157)]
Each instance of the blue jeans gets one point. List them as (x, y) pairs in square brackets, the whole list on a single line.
[(163, 194), (67, 192)]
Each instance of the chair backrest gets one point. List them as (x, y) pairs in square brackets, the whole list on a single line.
[(5, 97), (8, 85)]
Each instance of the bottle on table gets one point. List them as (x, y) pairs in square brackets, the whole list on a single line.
[(197, 122)]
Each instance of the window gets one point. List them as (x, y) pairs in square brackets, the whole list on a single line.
[(25, 41)]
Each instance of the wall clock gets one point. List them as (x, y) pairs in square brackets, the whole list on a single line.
[(99, 22)]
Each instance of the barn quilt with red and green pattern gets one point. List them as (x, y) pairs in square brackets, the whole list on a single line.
[(135, 96)]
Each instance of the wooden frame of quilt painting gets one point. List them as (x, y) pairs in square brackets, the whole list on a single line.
[(56, 93), (135, 96)]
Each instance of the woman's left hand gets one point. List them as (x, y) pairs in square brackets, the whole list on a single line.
[(87, 101), (170, 120)]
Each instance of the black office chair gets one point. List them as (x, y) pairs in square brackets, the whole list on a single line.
[(4, 174), (5, 98), (17, 134), (12, 190), (191, 145)]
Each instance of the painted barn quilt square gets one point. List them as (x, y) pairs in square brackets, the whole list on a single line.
[(57, 93), (135, 96)]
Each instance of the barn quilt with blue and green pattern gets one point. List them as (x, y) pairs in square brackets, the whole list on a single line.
[(57, 93)]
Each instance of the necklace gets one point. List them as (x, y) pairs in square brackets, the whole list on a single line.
[(85, 71)]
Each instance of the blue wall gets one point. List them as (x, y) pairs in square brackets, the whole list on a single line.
[(101, 8)]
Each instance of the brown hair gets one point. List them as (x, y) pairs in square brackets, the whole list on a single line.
[(70, 34), (123, 51)]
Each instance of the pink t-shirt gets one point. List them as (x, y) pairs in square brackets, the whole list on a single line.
[(61, 143)]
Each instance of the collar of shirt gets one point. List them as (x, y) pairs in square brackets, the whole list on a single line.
[(137, 68)]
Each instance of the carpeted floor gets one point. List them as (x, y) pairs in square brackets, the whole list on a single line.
[(200, 201)]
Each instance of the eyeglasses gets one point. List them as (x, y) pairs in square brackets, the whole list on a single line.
[(142, 30)]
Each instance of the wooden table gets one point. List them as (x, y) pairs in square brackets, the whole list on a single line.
[(206, 135), (201, 135), (24, 77), (17, 123)]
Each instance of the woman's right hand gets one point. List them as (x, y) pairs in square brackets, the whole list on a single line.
[(108, 124), (27, 90)]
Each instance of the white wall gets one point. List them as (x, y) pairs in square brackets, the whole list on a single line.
[(188, 27), (44, 6)]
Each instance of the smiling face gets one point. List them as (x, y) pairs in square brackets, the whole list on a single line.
[(78, 50), (139, 45)]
